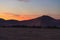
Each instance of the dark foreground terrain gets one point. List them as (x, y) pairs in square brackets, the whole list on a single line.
[(29, 34)]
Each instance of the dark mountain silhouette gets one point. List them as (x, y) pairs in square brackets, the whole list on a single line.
[(43, 21), (1, 20), (12, 23), (47, 21), (58, 23)]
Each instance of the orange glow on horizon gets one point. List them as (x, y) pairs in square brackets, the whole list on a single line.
[(8, 16)]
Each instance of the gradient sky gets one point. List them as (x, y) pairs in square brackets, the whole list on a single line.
[(29, 8)]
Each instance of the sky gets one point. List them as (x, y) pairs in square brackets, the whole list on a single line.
[(29, 9)]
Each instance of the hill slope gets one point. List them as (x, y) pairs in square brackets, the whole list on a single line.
[(43, 21)]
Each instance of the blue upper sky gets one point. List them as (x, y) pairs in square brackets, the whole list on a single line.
[(31, 7)]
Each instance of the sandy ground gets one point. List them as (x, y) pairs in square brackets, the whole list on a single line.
[(29, 34)]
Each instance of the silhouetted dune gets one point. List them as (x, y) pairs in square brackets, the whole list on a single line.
[(43, 21)]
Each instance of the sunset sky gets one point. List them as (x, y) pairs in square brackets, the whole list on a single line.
[(28, 9)]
